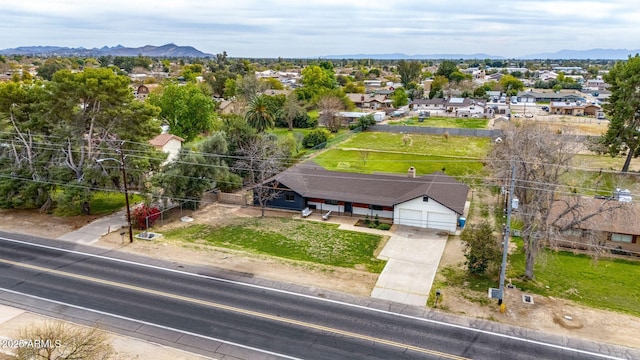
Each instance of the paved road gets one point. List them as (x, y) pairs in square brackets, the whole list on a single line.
[(221, 316)]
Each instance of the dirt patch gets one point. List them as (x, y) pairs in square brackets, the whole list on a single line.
[(35, 223)]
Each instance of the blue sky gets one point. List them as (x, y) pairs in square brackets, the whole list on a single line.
[(310, 28)]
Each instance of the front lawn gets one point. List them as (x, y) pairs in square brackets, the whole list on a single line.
[(310, 241), (610, 284)]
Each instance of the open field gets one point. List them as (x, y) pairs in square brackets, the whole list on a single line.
[(314, 242), (443, 122), (370, 152)]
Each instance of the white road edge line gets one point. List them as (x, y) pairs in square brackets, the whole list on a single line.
[(151, 324), (361, 307)]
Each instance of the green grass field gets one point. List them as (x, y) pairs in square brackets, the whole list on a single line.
[(444, 122), (102, 203), (606, 284), (369, 152), (314, 242)]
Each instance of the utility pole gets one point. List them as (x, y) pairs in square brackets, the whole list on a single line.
[(507, 233), (124, 180), (126, 192)]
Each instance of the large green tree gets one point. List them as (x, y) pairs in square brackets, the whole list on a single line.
[(261, 114), (409, 71), (511, 84), (195, 171), (446, 68), (623, 134), (187, 109), (57, 130)]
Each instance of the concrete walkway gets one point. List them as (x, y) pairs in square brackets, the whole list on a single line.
[(92, 232), (413, 256)]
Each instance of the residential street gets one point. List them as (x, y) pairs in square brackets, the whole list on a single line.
[(204, 311)]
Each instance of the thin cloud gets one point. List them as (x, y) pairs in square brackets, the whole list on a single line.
[(313, 28)]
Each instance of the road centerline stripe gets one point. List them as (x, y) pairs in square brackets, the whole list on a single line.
[(234, 309)]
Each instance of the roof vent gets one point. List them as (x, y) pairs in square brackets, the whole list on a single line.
[(412, 172)]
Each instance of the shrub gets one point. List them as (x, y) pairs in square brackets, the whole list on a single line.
[(376, 220), (229, 182), (384, 227), (140, 215), (482, 247), (315, 137)]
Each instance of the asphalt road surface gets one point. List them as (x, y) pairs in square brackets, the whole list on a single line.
[(232, 318)]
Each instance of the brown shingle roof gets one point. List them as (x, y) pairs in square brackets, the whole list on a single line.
[(608, 215), (313, 181), (163, 139)]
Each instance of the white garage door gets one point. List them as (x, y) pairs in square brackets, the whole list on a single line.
[(411, 217), (441, 221)]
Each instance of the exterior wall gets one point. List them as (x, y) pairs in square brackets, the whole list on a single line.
[(320, 205), (580, 240), (429, 214), (172, 148), (364, 210), (281, 201)]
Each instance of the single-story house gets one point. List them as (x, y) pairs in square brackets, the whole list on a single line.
[(353, 116), (168, 143), (573, 108), (543, 95), (604, 222), (369, 101), (427, 104), (434, 201)]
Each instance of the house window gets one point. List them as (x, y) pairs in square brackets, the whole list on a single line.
[(331, 202), (289, 198), (375, 207), (622, 238), (425, 198)]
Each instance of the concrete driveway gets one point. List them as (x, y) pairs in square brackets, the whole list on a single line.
[(413, 256)]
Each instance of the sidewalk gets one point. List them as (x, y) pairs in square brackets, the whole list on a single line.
[(91, 233)]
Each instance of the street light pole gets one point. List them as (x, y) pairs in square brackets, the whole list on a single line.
[(126, 190)]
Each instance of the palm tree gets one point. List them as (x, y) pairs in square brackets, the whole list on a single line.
[(260, 114)]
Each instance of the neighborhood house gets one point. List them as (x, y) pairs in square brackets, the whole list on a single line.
[(434, 201)]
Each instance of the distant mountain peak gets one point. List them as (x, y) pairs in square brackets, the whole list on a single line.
[(167, 50)]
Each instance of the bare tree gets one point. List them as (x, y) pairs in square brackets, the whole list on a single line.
[(262, 158), (63, 341), (329, 106), (291, 109), (541, 159)]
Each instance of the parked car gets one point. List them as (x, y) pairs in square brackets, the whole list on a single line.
[(528, 115), (517, 115), (545, 108)]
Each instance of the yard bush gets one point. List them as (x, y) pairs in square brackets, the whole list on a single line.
[(384, 227), (316, 137), (140, 215)]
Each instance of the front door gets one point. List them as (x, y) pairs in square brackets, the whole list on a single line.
[(348, 207)]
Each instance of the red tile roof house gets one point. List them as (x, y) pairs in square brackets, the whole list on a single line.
[(168, 143), (434, 201)]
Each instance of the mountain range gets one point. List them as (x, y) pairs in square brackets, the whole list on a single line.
[(595, 54), (173, 50), (168, 50)]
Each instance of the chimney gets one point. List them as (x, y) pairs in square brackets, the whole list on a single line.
[(412, 172)]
